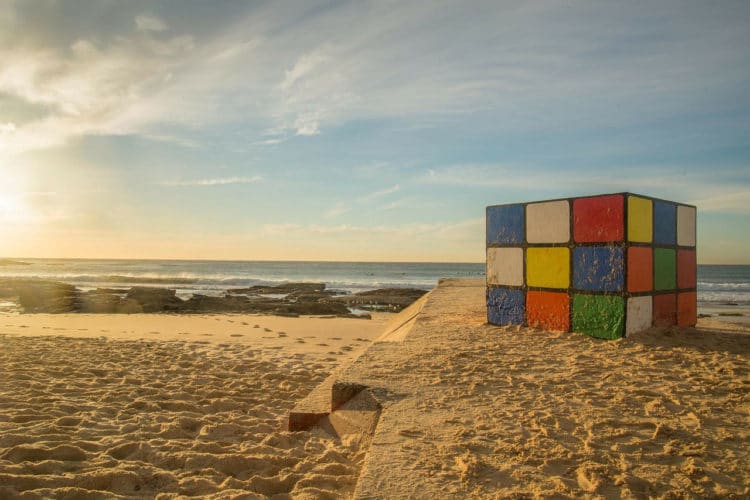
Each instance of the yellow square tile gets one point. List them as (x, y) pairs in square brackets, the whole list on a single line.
[(548, 267), (640, 219)]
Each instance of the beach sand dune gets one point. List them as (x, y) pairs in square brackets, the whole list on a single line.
[(89, 416)]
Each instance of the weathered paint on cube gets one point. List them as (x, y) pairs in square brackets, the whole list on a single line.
[(665, 310), (598, 269), (685, 226), (640, 314), (548, 222), (686, 269), (664, 269), (505, 266), (506, 306), (598, 219), (601, 316), (640, 269), (548, 267), (549, 310), (618, 262), (687, 309), (640, 219), (665, 223), (505, 225)]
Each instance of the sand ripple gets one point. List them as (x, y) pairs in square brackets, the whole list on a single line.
[(96, 418)]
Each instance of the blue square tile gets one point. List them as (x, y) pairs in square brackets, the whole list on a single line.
[(665, 223), (506, 306), (505, 225), (598, 269)]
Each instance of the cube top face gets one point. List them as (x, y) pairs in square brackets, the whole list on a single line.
[(606, 265)]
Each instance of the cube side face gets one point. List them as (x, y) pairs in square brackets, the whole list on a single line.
[(506, 306), (598, 219), (505, 225), (548, 310), (505, 266), (598, 269), (600, 316)]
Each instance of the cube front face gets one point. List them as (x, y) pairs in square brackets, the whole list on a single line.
[(607, 265)]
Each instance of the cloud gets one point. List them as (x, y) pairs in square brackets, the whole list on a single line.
[(734, 202), (221, 181), (381, 193), (338, 209), (148, 22)]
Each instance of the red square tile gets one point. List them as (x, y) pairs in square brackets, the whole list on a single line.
[(548, 310), (640, 269), (599, 218), (687, 309), (665, 310), (686, 269)]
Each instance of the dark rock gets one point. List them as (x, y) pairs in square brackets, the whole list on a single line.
[(285, 288), (39, 296), (155, 299), (384, 299)]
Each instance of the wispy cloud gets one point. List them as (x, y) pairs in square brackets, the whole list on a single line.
[(337, 210), (220, 181), (148, 22)]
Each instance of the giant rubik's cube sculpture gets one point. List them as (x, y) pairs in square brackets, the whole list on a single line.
[(605, 265)]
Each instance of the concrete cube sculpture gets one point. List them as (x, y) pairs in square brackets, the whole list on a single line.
[(606, 265)]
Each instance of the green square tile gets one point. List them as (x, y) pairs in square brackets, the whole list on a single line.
[(601, 316), (665, 272)]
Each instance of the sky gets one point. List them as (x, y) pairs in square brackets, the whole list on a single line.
[(359, 131)]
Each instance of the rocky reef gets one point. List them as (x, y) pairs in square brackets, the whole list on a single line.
[(289, 299)]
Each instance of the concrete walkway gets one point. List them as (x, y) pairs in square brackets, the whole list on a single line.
[(457, 408)]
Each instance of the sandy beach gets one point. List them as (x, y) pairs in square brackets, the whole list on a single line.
[(169, 406), (123, 406)]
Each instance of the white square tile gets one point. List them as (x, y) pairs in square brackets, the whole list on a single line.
[(505, 266), (685, 226), (639, 314), (548, 222)]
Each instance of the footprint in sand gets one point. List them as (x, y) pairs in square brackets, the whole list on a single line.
[(322, 345), (411, 433), (230, 320), (82, 329), (245, 323), (282, 335), (236, 335), (180, 333), (301, 341), (154, 333), (267, 330), (208, 334), (23, 326), (256, 326)]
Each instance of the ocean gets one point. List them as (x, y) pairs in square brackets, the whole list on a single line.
[(717, 285)]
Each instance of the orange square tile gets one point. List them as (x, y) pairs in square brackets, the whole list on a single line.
[(549, 310), (665, 310), (687, 309), (640, 269), (686, 269)]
